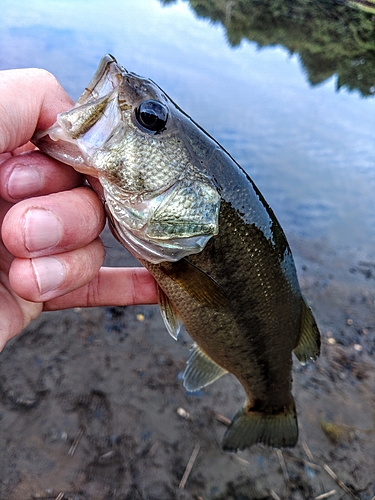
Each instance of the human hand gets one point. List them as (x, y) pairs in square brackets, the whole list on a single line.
[(50, 251)]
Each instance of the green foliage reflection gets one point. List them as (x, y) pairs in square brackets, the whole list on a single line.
[(329, 36)]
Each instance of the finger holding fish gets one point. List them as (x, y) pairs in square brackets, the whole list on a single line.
[(51, 276), (45, 223), (35, 174), (50, 255)]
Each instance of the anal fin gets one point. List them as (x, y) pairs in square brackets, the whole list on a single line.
[(169, 314), (251, 427), (308, 346), (201, 370)]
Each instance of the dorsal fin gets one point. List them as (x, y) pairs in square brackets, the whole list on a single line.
[(201, 370), (308, 346)]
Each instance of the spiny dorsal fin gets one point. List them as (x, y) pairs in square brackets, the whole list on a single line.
[(198, 284), (201, 370), (308, 346), (252, 427), (169, 314)]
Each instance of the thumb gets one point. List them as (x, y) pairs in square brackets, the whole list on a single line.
[(30, 99)]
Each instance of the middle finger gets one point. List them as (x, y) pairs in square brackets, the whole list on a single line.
[(53, 224)]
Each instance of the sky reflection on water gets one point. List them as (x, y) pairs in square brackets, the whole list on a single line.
[(309, 149)]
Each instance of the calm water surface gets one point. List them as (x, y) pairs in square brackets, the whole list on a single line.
[(309, 148)]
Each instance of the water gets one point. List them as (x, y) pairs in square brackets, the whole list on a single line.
[(309, 148)]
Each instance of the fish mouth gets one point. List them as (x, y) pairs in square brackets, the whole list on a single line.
[(78, 132), (96, 118), (64, 151)]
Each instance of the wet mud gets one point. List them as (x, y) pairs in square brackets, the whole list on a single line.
[(92, 404)]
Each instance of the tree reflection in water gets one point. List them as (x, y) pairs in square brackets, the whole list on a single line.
[(330, 37)]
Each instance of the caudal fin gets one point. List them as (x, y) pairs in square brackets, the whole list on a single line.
[(248, 428)]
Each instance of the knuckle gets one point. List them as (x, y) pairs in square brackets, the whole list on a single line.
[(93, 291)]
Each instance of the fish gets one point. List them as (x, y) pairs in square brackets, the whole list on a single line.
[(194, 218)]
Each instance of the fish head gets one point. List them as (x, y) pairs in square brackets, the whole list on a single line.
[(127, 132), (108, 116)]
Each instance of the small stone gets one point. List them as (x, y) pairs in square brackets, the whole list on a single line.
[(183, 413)]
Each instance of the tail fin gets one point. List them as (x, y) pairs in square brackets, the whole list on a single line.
[(248, 428)]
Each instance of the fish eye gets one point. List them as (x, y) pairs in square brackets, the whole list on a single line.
[(152, 115)]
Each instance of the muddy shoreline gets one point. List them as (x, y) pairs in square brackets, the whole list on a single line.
[(92, 404)]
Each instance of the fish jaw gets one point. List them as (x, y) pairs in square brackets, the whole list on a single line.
[(80, 131), (64, 151)]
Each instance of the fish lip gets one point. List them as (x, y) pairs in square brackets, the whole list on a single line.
[(64, 148), (87, 170), (96, 186), (106, 61), (69, 154)]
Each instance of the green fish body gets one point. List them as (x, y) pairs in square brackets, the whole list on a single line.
[(178, 201)]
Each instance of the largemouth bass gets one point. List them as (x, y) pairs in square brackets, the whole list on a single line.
[(180, 203)]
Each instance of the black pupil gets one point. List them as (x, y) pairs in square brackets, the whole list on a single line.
[(152, 115)]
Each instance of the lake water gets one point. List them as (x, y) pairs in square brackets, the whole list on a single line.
[(310, 149)]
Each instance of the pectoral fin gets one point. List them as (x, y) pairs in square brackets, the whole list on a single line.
[(169, 314), (201, 370), (308, 346), (198, 284)]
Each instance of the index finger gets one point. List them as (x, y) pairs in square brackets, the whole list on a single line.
[(35, 174)]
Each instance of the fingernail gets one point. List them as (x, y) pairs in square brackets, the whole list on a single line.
[(42, 229), (49, 272), (24, 181)]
